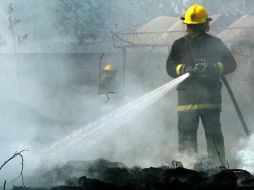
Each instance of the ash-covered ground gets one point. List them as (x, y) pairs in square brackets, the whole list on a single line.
[(103, 174)]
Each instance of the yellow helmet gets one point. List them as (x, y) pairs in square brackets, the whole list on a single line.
[(108, 67), (196, 14)]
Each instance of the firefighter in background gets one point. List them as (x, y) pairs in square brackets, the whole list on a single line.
[(108, 84), (199, 97)]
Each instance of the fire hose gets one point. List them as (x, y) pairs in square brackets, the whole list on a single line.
[(237, 108), (200, 68)]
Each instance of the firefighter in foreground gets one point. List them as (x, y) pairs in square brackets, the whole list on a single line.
[(199, 97)]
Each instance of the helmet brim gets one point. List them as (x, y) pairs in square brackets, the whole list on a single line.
[(207, 20)]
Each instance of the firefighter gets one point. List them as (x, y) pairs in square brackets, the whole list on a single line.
[(107, 84), (199, 97)]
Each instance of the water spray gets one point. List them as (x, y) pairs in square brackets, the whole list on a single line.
[(94, 132)]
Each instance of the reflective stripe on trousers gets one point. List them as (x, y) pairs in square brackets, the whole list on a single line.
[(198, 107)]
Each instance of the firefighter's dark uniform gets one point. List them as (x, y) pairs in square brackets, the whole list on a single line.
[(109, 90), (107, 84), (200, 95)]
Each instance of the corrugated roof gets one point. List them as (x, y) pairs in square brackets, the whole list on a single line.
[(161, 31), (151, 32), (244, 21), (241, 30), (158, 24), (178, 26)]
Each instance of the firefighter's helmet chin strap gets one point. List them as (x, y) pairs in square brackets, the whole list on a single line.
[(193, 34), (207, 27)]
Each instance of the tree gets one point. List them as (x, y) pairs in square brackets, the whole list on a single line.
[(13, 21), (83, 20), (225, 7), (89, 21)]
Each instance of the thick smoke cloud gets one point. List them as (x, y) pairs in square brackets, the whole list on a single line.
[(245, 154), (47, 92)]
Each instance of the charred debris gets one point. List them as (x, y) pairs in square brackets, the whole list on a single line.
[(102, 174)]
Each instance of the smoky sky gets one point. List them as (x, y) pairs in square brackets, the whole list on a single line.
[(59, 25)]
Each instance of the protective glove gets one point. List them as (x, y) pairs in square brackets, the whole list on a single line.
[(182, 69), (187, 69)]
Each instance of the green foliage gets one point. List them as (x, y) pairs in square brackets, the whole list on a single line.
[(89, 21), (226, 7), (13, 22), (85, 20)]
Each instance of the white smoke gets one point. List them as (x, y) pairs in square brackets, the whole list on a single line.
[(245, 154), (52, 94)]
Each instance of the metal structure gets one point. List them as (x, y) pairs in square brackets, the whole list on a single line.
[(145, 39), (142, 39)]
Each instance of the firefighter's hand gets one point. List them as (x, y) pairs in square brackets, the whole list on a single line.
[(186, 69)]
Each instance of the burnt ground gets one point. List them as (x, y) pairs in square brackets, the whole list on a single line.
[(102, 174)]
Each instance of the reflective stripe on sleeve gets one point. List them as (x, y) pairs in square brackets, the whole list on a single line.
[(198, 107), (178, 69)]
